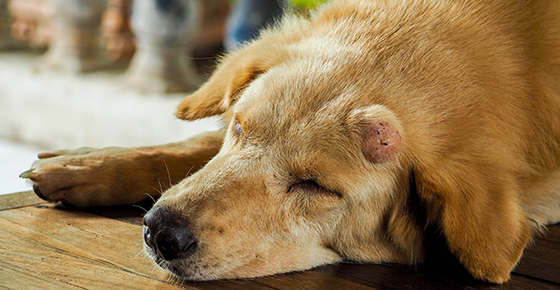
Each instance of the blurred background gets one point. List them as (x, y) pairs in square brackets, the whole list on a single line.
[(99, 73)]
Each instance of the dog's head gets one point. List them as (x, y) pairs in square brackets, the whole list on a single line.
[(314, 170)]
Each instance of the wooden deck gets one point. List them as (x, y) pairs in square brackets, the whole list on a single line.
[(44, 247)]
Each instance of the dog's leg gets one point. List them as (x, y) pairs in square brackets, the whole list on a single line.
[(114, 176)]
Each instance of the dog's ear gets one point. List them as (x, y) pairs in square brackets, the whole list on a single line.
[(232, 76), (477, 211)]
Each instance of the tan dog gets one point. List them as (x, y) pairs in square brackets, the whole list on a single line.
[(354, 135)]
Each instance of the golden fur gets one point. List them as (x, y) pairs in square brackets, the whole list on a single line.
[(354, 132)]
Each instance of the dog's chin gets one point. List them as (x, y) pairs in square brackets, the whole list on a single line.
[(189, 272), (191, 269), (178, 269)]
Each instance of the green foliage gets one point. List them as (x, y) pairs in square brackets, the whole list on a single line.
[(307, 3), (296, 3)]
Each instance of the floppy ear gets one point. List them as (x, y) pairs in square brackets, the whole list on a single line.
[(233, 75), (477, 211)]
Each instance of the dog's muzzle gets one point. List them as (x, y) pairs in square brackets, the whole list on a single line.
[(168, 235)]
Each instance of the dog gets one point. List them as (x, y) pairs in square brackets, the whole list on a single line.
[(352, 134)]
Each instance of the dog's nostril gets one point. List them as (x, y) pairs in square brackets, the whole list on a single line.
[(172, 244), (165, 250)]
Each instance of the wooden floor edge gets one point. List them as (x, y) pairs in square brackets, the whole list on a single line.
[(19, 199)]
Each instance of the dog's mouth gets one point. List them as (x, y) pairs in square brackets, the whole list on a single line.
[(193, 268)]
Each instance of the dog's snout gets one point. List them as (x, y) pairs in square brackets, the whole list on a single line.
[(168, 235)]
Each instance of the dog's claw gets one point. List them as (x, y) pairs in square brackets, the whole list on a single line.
[(29, 174)]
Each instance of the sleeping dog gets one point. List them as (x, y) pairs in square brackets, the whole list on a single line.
[(352, 134)]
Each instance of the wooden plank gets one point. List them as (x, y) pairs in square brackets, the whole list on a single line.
[(552, 234), (20, 199), (383, 276), (309, 280), (232, 285), (115, 229), (126, 248), (542, 261), (80, 256), (11, 277), (525, 283), (402, 277)]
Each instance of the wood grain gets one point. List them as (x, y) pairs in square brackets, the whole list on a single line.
[(20, 199), (13, 277), (551, 234), (57, 259), (542, 261)]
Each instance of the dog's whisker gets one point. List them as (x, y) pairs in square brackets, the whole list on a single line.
[(151, 197), (160, 186), (189, 172), (168, 173), (140, 207), (139, 253), (158, 190)]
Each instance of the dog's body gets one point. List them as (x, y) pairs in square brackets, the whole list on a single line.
[(350, 136)]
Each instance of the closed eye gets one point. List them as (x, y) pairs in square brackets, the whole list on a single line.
[(311, 186), (305, 185)]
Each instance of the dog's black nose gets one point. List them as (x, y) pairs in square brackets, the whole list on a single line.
[(168, 234)]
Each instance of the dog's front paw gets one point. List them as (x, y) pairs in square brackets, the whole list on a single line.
[(82, 177)]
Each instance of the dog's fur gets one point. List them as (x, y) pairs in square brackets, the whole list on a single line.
[(354, 134)]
